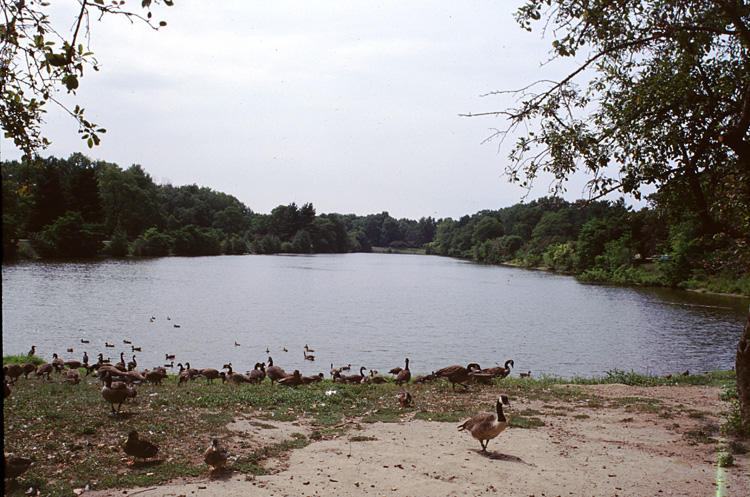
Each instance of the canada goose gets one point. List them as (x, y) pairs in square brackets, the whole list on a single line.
[(85, 359), (404, 375), (132, 364), (355, 378), (377, 379), (233, 377), (107, 344), (133, 377), (426, 378), (215, 457), (258, 374), (71, 350), (306, 380), (127, 342), (84, 341), (57, 363), (44, 370), (285, 349), (135, 349), (291, 380), (457, 374), (73, 364), (32, 351), (346, 368), (500, 371), (13, 371), (308, 357), (395, 370), (308, 349), (686, 373), (73, 376), (121, 365), (192, 372), (116, 392), (274, 373), (155, 376), (333, 370), (138, 447), (525, 375), (487, 425), (168, 357), (170, 365), (404, 399), (176, 325), (236, 344), (210, 374), (27, 368)]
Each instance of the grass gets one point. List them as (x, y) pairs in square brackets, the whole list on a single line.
[(67, 431)]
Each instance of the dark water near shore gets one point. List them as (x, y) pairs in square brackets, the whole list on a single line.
[(361, 309)]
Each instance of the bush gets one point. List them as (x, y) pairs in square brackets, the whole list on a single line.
[(152, 243), (68, 236)]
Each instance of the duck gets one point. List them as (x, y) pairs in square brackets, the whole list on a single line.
[(404, 399), (500, 371), (525, 375), (116, 392), (215, 457), (27, 368), (308, 357), (457, 374), (32, 351), (84, 341), (168, 357), (73, 364), (404, 375), (138, 447), (274, 373), (487, 425), (135, 349), (107, 344), (128, 342), (70, 350)]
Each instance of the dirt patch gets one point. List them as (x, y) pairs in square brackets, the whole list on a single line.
[(611, 440)]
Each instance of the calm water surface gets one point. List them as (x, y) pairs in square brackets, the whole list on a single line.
[(361, 309)]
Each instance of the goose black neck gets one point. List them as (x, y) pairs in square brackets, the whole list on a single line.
[(500, 415)]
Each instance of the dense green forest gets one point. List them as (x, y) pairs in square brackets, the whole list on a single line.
[(76, 207)]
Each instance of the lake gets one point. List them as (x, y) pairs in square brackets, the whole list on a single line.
[(361, 309)]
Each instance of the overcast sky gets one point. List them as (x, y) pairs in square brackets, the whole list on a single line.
[(351, 105)]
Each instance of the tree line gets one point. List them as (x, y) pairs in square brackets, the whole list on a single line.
[(77, 207)]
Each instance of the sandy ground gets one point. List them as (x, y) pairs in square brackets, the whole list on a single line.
[(613, 449)]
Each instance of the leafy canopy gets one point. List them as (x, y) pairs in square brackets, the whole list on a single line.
[(38, 61), (667, 104)]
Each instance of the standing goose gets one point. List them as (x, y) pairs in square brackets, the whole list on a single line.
[(258, 374), (404, 375), (116, 392), (457, 374), (487, 425), (355, 378), (274, 373), (121, 365)]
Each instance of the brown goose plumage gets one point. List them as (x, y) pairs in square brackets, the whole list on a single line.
[(404, 375), (138, 447), (215, 457), (487, 425)]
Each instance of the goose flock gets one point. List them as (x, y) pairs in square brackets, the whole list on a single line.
[(120, 380)]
